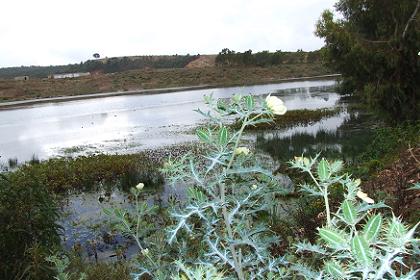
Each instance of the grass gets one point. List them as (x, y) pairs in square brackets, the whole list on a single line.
[(154, 78), (84, 173), (387, 145)]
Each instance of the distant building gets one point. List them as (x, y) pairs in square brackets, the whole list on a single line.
[(69, 75), (22, 78)]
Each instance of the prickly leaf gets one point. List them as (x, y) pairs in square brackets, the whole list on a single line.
[(332, 237), (373, 227), (323, 170), (223, 136), (349, 212), (360, 250)]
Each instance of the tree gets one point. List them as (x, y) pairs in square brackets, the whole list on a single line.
[(375, 47)]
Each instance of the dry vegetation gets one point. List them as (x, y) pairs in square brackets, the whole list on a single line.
[(196, 74)]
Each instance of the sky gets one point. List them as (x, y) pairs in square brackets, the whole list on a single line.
[(53, 32)]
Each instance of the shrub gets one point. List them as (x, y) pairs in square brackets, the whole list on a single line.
[(84, 173), (28, 228)]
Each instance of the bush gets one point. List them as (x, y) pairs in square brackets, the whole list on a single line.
[(84, 173), (28, 228)]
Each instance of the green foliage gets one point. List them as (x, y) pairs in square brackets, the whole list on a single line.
[(142, 225), (219, 231), (374, 46), (265, 58), (198, 273), (385, 146), (84, 173), (355, 242), (73, 267), (28, 228), (111, 65), (229, 191), (61, 264), (389, 141)]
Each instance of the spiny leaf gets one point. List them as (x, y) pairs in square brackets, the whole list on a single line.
[(323, 170), (249, 101), (416, 186), (261, 120), (203, 135), (333, 238), (336, 166), (311, 190), (197, 195), (396, 228), (349, 212), (223, 136), (360, 249), (335, 270), (373, 227)]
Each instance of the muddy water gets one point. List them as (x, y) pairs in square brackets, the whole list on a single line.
[(126, 124)]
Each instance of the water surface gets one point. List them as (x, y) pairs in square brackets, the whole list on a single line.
[(126, 124)]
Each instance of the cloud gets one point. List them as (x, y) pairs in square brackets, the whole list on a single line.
[(48, 32)]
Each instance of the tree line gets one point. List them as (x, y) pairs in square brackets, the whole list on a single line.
[(107, 65), (229, 57)]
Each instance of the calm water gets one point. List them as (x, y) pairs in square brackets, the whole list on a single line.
[(126, 124)]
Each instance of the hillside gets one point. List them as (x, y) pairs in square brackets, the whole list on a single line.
[(203, 61), (225, 69), (153, 78), (104, 65)]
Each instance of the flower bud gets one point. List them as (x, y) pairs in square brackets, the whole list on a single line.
[(363, 196), (140, 186), (275, 105), (241, 151)]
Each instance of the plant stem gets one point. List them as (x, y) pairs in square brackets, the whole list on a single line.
[(327, 205), (244, 124), (138, 222), (324, 189), (386, 263), (238, 265)]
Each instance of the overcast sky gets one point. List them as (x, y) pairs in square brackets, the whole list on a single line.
[(44, 32)]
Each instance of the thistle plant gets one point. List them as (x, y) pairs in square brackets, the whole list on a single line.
[(357, 242), (139, 224), (228, 192), (61, 265), (221, 230)]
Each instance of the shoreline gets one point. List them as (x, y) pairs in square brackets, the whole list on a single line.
[(10, 105)]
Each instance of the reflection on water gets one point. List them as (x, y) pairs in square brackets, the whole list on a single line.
[(344, 136), (127, 124)]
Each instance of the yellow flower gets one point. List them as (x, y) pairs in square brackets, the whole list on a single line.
[(145, 252), (363, 196), (275, 105), (254, 187), (302, 160), (140, 186), (242, 151)]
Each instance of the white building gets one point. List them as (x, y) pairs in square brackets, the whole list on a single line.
[(69, 75), (21, 78)]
